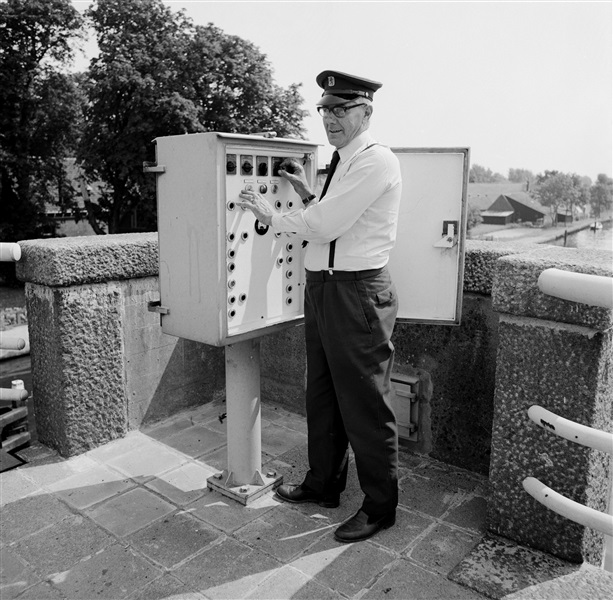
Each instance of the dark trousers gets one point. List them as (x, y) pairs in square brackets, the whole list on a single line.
[(349, 320)]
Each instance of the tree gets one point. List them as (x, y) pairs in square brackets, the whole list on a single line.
[(232, 85), (601, 195), (40, 112), (555, 190), (479, 174), (158, 74), (521, 176), (581, 196), (473, 218)]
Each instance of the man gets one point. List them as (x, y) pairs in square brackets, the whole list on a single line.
[(350, 308)]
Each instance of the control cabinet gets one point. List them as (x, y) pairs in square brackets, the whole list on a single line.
[(225, 277)]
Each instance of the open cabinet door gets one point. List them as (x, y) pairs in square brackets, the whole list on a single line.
[(427, 262)]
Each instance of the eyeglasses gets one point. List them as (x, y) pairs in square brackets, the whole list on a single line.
[(337, 111)]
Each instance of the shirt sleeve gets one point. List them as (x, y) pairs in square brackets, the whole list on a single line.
[(359, 186)]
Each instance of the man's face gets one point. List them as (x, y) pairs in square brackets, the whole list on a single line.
[(341, 130)]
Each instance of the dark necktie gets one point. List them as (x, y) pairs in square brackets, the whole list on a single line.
[(334, 162)]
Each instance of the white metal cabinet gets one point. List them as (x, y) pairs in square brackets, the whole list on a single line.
[(223, 277)]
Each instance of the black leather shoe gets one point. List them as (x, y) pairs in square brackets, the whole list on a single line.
[(361, 527), (298, 495)]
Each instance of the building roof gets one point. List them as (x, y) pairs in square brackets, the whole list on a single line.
[(507, 202), (501, 204), (482, 195), (527, 200), (496, 213)]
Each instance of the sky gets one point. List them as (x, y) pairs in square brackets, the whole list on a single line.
[(522, 84)]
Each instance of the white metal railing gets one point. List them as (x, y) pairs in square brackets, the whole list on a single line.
[(9, 252), (593, 290), (13, 411), (584, 515)]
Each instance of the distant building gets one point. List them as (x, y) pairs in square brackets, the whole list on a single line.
[(501, 212), (506, 203), (564, 216), (71, 222)]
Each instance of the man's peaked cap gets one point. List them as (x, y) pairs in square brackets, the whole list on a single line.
[(340, 87)]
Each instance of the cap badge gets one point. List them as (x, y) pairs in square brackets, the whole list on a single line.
[(331, 81)]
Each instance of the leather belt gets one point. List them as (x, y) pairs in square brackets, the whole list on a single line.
[(328, 275)]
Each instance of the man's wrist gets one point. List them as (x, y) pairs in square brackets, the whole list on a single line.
[(306, 200)]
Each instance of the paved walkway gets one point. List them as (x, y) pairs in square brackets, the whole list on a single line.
[(135, 520)]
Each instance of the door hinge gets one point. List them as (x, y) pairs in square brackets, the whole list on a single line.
[(151, 167)]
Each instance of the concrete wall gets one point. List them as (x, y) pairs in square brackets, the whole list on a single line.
[(558, 355), (102, 366), (100, 362)]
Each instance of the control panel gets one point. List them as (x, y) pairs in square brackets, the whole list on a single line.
[(224, 276)]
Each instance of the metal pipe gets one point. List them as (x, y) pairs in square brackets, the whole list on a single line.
[(569, 430), (570, 509), (13, 395), (243, 410), (9, 252), (594, 290), (11, 343)]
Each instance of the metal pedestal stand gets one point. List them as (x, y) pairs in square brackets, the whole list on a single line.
[(243, 479)]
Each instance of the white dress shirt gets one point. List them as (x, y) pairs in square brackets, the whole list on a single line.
[(359, 210)]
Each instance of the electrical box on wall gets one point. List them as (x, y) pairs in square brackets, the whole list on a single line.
[(225, 277)]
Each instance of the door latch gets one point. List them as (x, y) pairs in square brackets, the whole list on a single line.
[(450, 235)]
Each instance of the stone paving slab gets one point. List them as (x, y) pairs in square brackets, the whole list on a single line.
[(196, 440), (167, 588), (15, 575), (287, 582), (497, 567), (57, 548), (283, 533), (173, 539), (116, 524), (129, 512), (589, 582), (32, 514), (229, 570), (184, 484), (112, 574), (345, 568), (42, 591), (90, 487), (406, 580), (443, 547), (16, 486)]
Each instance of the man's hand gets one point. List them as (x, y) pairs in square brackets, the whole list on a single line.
[(292, 170), (257, 205)]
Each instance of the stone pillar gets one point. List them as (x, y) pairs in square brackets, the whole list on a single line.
[(559, 355), (101, 365)]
